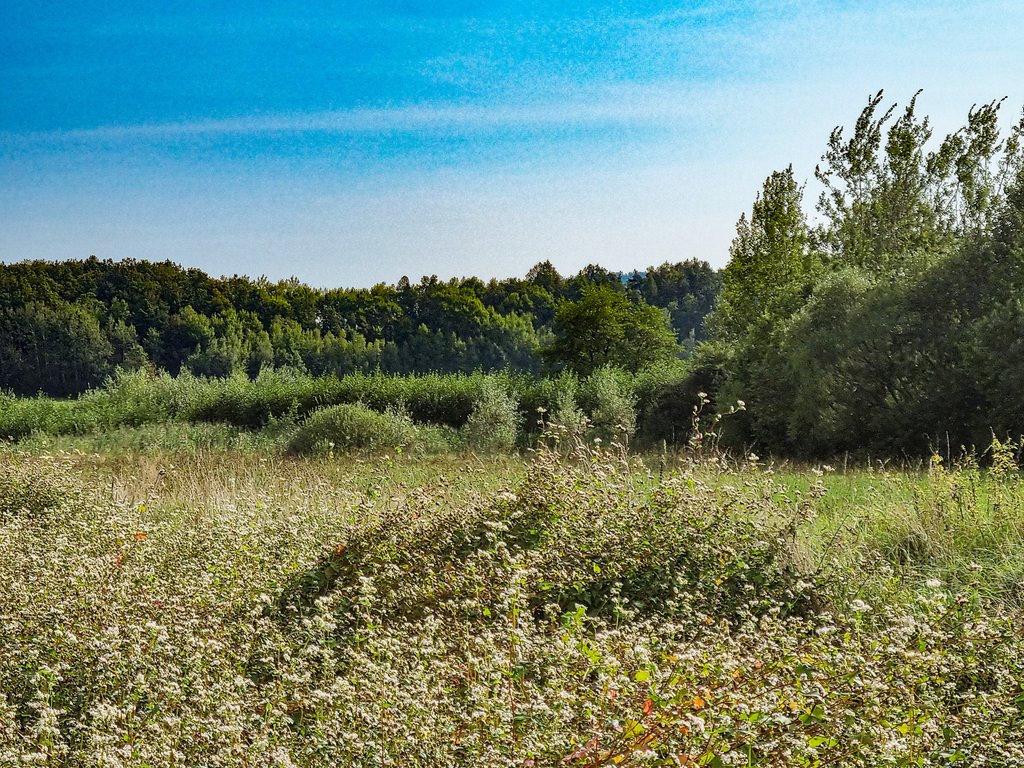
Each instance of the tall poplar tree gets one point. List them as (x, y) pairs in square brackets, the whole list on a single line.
[(770, 262)]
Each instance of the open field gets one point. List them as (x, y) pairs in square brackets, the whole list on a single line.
[(239, 608)]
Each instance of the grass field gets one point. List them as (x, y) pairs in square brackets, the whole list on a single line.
[(228, 605)]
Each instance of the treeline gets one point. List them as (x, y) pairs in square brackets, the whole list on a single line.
[(886, 320), (65, 327), (893, 322)]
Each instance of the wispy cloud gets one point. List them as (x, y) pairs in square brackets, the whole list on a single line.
[(626, 105)]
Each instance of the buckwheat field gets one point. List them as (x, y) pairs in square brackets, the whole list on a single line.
[(577, 607)]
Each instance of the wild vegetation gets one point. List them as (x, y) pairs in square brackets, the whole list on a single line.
[(521, 524), (576, 609), (889, 323), (287, 409)]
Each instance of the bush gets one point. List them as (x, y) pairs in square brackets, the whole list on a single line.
[(608, 397), (21, 416), (539, 398), (243, 402), (352, 427), (494, 423), (132, 398), (665, 397), (126, 399), (446, 400), (568, 418)]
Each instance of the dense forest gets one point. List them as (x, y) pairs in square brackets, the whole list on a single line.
[(65, 327), (886, 320)]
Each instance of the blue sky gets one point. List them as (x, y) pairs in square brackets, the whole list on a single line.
[(352, 143)]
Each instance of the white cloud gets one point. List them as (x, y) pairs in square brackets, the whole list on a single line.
[(606, 106)]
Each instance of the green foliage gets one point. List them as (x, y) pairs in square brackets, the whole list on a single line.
[(352, 427), (20, 417), (57, 349), (494, 423), (770, 262), (65, 326), (769, 275), (605, 328), (490, 411), (893, 325), (884, 199), (538, 398), (568, 417), (687, 290), (665, 395), (607, 398)]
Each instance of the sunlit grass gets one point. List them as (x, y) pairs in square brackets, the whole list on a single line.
[(237, 606)]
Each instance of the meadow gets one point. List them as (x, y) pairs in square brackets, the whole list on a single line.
[(176, 593)]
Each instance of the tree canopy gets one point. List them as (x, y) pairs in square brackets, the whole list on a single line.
[(893, 324), (604, 327), (66, 326)]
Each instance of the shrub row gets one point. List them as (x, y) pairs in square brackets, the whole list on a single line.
[(492, 411)]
